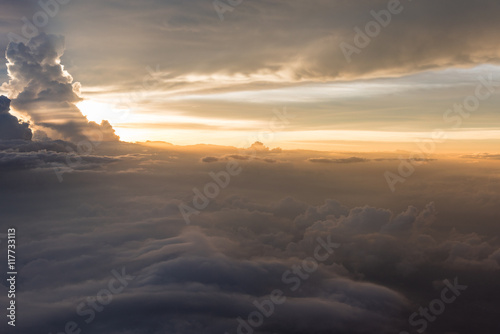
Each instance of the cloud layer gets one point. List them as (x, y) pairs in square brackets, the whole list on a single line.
[(297, 41), (119, 209)]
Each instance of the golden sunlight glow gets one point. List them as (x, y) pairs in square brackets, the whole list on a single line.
[(99, 111), (20, 116)]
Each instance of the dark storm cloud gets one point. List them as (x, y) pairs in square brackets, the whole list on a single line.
[(10, 126), (42, 89)]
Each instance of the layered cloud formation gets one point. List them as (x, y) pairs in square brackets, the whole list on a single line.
[(291, 40), (266, 55), (298, 41)]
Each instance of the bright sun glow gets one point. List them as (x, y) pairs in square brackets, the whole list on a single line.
[(99, 111)]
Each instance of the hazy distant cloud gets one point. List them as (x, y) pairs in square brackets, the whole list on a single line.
[(482, 156), (237, 157), (338, 161), (210, 159), (41, 88)]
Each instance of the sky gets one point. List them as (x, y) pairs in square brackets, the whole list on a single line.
[(176, 72), (264, 166)]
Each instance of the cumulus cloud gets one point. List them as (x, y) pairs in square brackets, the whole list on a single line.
[(41, 88), (259, 147)]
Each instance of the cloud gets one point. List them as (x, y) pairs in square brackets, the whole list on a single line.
[(202, 277), (482, 156), (338, 161), (10, 126), (35, 146), (16, 161), (41, 88), (293, 41), (238, 157), (210, 159), (48, 156), (208, 275), (259, 147)]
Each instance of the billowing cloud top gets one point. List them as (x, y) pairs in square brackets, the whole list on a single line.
[(41, 88)]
